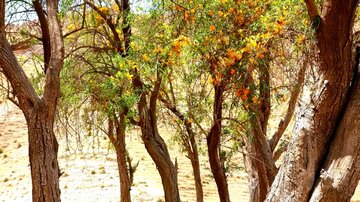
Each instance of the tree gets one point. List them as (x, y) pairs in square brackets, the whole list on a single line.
[(301, 177), (235, 43), (39, 111), (96, 53)]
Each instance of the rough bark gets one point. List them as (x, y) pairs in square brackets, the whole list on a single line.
[(213, 144), (318, 113), (45, 33), (39, 112), (154, 143), (118, 140), (341, 171), (43, 149)]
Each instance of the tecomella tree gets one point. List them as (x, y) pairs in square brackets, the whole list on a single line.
[(39, 111)]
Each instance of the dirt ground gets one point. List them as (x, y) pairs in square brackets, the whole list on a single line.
[(91, 175)]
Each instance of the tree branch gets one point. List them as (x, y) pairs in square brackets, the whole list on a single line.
[(45, 33), (312, 9), (291, 108)]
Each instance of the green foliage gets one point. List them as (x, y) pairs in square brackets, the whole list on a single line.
[(193, 46)]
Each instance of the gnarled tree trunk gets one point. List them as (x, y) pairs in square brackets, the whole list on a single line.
[(341, 171), (319, 112), (213, 144), (154, 143), (39, 112)]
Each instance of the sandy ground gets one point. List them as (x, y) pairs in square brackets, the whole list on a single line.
[(91, 175)]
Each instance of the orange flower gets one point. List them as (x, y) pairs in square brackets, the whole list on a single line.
[(212, 28), (231, 10), (232, 71)]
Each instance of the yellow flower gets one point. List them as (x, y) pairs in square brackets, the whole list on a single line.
[(252, 43), (146, 58), (104, 10), (129, 76), (220, 13), (300, 39)]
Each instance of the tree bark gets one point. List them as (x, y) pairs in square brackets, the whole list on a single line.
[(154, 143), (341, 171), (319, 111), (213, 144), (256, 169), (118, 141), (39, 112), (43, 149), (195, 163)]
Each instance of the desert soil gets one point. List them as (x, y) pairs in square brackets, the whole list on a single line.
[(90, 170)]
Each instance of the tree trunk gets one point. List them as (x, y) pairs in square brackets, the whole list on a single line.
[(213, 144), (189, 142), (256, 170), (125, 185), (43, 149), (158, 151), (39, 112), (195, 163), (341, 171), (319, 111), (122, 155)]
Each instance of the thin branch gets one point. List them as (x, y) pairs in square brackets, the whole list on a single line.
[(82, 24), (291, 108)]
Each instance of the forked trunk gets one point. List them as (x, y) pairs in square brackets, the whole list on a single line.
[(319, 112), (341, 171), (213, 145), (43, 149), (158, 151)]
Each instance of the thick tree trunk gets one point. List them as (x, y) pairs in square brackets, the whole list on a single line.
[(319, 111), (213, 144), (43, 149), (341, 171), (39, 112)]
